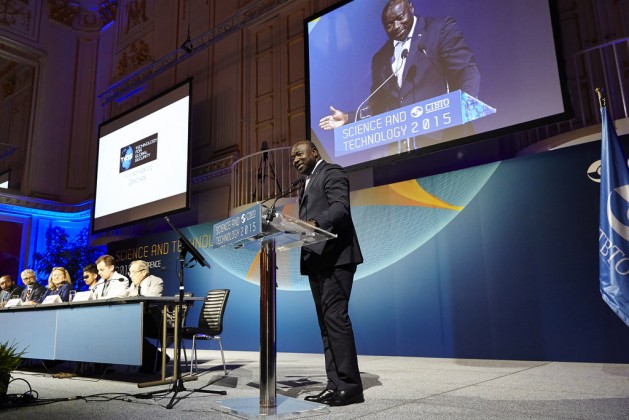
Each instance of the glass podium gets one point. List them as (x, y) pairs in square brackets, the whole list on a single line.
[(259, 228)]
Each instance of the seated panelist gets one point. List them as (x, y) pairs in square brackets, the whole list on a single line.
[(33, 291), (111, 284), (59, 283), (8, 289), (145, 284), (90, 276), (142, 282)]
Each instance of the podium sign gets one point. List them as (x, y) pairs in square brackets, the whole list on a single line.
[(238, 228), (438, 113), (248, 228)]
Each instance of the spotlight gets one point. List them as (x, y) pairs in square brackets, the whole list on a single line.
[(187, 45)]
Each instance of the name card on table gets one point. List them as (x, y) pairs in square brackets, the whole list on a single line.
[(13, 302), (52, 299), (84, 296)]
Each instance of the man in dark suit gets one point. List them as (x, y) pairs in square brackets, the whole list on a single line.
[(427, 57), (330, 267), (438, 60), (33, 291)]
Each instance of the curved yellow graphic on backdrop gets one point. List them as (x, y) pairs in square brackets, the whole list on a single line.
[(407, 193)]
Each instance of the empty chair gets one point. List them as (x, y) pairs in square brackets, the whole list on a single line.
[(210, 324)]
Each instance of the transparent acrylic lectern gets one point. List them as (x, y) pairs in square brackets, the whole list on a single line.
[(262, 229)]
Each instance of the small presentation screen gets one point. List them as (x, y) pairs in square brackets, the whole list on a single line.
[(467, 70), (142, 167), (4, 179)]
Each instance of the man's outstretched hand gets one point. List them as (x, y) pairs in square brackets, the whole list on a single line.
[(334, 120)]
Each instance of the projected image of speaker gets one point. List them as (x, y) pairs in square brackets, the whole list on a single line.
[(388, 79), (142, 169)]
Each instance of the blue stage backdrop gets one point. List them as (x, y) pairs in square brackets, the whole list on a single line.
[(494, 262)]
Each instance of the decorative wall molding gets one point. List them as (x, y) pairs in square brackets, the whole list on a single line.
[(20, 17), (135, 21), (107, 11), (133, 57), (135, 14), (63, 11), (256, 10), (216, 167), (71, 14), (13, 203), (20, 77)]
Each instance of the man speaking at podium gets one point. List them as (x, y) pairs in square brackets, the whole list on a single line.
[(424, 57), (330, 267)]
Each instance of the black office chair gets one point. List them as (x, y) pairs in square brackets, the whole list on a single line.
[(210, 324)]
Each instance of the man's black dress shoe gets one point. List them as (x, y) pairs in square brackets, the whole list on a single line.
[(343, 398), (320, 397)]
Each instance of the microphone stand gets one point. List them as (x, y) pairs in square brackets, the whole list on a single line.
[(177, 379), (403, 56), (294, 185)]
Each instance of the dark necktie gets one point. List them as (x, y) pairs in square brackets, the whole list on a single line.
[(28, 293), (105, 286)]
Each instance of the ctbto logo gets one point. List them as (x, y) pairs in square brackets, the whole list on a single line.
[(417, 111), (594, 171), (619, 222)]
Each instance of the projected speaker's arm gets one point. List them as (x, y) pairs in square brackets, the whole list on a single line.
[(334, 120)]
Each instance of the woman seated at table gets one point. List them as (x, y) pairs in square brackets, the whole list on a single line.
[(59, 283)]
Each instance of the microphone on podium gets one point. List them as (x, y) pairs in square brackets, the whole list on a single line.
[(295, 184), (403, 55)]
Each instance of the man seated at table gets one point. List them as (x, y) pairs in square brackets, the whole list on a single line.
[(10, 290), (32, 291), (90, 276), (142, 282), (111, 284), (145, 284)]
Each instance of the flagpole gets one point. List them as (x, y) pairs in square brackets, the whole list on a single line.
[(601, 100)]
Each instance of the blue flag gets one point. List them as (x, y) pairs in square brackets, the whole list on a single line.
[(613, 238)]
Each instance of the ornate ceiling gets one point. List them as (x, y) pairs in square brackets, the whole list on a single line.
[(21, 16)]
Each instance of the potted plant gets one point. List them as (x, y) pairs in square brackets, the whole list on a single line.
[(10, 358)]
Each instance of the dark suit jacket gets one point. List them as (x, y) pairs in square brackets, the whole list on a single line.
[(36, 294), (326, 200), (15, 292), (438, 57), (63, 291)]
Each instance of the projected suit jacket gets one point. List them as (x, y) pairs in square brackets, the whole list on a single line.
[(326, 200), (438, 59)]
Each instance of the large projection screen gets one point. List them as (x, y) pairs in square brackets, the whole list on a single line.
[(514, 48), (142, 166)]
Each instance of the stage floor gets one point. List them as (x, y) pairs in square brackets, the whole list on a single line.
[(395, 388)]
